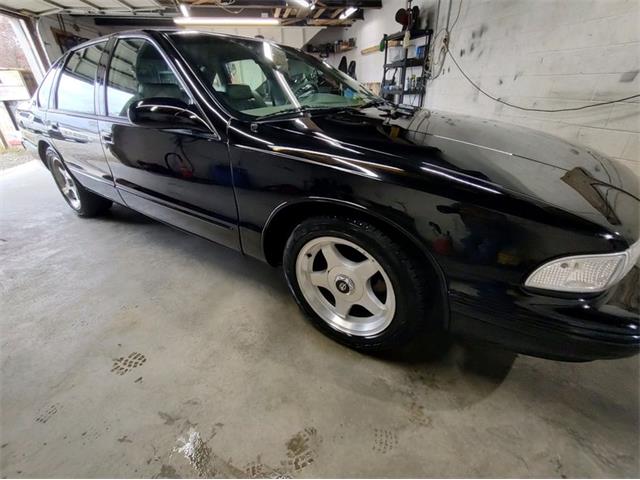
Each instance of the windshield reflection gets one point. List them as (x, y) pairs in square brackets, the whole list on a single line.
[(260, 79)]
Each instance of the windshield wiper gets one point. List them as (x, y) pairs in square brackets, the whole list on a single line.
[(310, 108), (288, 111), (283, 113)]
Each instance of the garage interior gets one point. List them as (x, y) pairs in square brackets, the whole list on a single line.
[(130, 349)]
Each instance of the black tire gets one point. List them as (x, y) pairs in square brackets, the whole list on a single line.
[(81, 200), (407, 275)]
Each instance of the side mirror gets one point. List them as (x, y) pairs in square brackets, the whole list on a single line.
[(161, 112)]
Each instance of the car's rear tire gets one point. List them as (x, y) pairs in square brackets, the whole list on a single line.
[(356, 283), (81, 200)]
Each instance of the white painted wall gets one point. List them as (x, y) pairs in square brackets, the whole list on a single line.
[(75, 25), (543, 53), (369, 33)]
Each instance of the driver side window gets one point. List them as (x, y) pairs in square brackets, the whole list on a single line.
[(138, 71)]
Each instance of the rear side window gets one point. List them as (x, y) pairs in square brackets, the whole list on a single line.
[(76, 85), (139, 71), (45, 88)]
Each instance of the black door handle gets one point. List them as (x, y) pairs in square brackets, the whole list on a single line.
[(107, 138)]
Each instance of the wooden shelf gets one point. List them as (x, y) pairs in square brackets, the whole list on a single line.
[(413, 34)]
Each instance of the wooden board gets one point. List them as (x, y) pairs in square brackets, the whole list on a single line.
[(376, 48)]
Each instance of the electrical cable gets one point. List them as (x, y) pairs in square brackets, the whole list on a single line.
[(445, 49), (530, 109), (447, 29)]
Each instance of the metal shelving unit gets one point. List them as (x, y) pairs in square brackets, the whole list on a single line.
[(406, 63)]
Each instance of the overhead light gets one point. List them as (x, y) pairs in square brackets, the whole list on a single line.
[(348, 12), (242, 21), (304, 3), (184, 10)]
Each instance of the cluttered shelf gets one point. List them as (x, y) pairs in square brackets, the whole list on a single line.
[(340, 46), (408, 63), (404, 51)]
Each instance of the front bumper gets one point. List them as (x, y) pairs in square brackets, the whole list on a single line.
[(567, 327)]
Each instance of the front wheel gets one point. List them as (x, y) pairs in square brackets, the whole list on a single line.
[(81, 200), (356, 284)]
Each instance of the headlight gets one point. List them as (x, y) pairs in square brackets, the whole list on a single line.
[(584, 273)]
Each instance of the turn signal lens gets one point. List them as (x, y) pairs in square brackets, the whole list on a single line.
[(579, 274)]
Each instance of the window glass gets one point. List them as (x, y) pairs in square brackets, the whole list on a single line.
[(259, 78), (75, 88), (246, 72), (45, 88), (138, 71)]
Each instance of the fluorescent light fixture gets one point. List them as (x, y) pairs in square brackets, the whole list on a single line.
[(242, 21), (184, 10), (348, 12), (303, 3)]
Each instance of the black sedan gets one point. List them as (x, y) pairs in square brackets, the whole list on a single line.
[(388, 220)]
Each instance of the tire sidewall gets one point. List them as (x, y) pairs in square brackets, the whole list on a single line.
[(370, 240)]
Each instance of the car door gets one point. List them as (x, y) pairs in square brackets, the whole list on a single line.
[(31, 117), (72, 123), (176, 175)]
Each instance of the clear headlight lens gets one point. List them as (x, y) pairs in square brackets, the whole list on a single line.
[(584, 273)]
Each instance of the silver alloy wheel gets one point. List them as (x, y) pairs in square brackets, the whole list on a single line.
[(342, 283), (66, 183)]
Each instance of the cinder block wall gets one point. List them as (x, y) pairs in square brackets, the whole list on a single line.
[(548, 54)]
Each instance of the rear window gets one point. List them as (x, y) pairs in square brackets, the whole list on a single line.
[(76, 85)]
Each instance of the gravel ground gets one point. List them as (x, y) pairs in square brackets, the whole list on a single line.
[(14, 157)]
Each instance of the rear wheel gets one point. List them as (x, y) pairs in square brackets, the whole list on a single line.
[(82, 201), (357, 284)]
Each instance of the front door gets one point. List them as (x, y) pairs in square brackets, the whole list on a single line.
[(175, 175)]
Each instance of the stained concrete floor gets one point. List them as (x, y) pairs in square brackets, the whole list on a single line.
[(129, 349)]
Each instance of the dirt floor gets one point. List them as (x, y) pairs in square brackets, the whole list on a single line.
[(13, 157)]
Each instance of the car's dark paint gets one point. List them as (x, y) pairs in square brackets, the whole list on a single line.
[(484, 203)]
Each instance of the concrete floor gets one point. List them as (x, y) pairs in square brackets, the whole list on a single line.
[(129, 349)]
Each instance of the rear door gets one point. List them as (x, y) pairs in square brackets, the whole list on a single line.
[(72, 123), (31, 120), (175, 175)]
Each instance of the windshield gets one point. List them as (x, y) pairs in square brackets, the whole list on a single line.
[(259, 78)]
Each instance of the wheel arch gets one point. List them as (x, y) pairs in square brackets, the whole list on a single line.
[(43, 145), (287, 215)]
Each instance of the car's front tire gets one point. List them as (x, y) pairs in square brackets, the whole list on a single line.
[(81, 200), (356, 283)]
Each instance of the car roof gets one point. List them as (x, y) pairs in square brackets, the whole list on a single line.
[(166, 30)]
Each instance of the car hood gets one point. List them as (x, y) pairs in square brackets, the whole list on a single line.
[(518, 159)]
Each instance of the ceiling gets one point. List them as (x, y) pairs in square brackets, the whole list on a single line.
[(324, 13)]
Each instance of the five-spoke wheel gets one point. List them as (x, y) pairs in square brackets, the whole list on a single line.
[(345, 285), (65, 183), (83, 202), (356, 283)]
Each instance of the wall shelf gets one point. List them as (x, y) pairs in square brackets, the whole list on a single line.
[(404, 64)]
